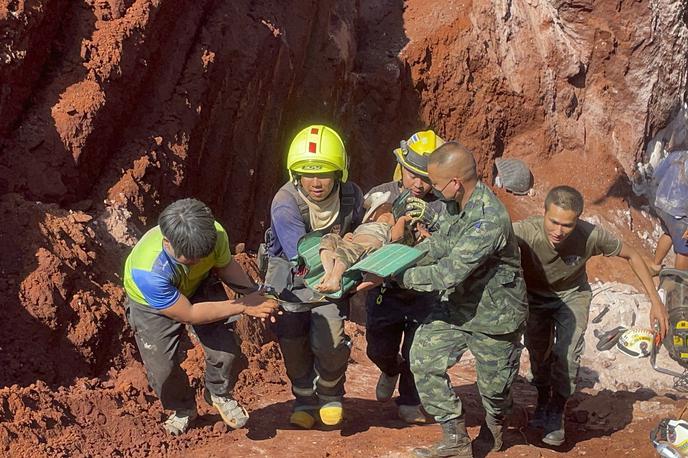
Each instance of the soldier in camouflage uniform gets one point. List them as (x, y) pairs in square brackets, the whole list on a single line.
[(473, 260)]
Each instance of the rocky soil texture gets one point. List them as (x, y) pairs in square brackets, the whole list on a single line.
[(110, 109)]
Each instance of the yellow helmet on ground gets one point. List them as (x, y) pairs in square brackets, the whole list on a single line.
[(317, 149), (413, 153)]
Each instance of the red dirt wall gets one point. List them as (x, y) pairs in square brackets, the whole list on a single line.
[(111, 109)]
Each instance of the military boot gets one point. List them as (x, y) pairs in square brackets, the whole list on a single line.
[(455, 442), (554, 426), (540, 415), (490, 436)]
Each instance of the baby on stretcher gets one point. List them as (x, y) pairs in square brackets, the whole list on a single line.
[(378, 228)]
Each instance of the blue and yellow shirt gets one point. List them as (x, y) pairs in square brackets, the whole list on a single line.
[(153, 277)]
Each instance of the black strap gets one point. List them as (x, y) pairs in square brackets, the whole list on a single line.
[(305, 212), (348, 202), (607, 340)]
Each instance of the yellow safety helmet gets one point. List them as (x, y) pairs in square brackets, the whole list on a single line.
[(317, 149), (413, 153)]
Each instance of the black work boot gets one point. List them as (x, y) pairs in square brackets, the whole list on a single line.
[(554, 426), (455, 442), (540, 415), (490, 436)]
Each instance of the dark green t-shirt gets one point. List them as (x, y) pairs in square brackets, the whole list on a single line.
[(556, 273)]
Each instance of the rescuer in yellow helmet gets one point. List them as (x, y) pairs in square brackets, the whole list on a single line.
[(394, 314), (317, 197)]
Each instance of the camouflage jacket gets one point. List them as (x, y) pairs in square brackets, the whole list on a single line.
[(473, 260)]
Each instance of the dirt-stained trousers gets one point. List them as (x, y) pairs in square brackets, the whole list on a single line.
[(316, 352), (555, 341), (158, 338), (393, 316)]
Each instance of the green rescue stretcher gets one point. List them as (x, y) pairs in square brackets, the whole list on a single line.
[(387, 261)]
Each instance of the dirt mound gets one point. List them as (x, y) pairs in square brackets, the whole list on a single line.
[(119, 415), (60, 319), (111, 109)]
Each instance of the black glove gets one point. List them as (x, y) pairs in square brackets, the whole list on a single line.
[(420, 211), (399, 204)]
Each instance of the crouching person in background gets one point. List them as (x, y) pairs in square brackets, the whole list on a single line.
[(168, 284)]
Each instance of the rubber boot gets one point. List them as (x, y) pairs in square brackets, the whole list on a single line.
[(490, 436), (304, 419), (305, 413), (455, 442), (413, 415), (540, 415), (554, 426), (385, 387), (331, 413)]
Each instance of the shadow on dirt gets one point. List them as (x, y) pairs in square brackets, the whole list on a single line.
[(622, 188), (361, 415), (588, 416)]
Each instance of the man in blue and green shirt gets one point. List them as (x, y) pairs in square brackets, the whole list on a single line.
[(168, 284)]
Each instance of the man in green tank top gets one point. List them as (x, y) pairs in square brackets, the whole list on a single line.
[(554, 251)]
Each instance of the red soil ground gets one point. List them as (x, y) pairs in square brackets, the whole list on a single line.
[(111, 109)]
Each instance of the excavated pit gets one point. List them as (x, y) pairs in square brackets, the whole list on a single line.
[(111, 109)]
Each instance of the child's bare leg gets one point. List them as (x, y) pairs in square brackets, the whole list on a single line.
[(332, 281), (327, 258), (367, 243)]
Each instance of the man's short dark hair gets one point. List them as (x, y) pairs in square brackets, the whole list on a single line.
[(189, 226), (566, 198), (457, 157)]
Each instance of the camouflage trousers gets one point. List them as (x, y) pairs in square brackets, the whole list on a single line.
[(439, 344), (555, 340)]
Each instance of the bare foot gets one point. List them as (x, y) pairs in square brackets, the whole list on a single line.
[(323, 280), (329, 285)]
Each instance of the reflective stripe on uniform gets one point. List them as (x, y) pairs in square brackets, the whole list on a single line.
[(303, 391), (329, 383)]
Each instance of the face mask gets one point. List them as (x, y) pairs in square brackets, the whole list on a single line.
[(438, 193)]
